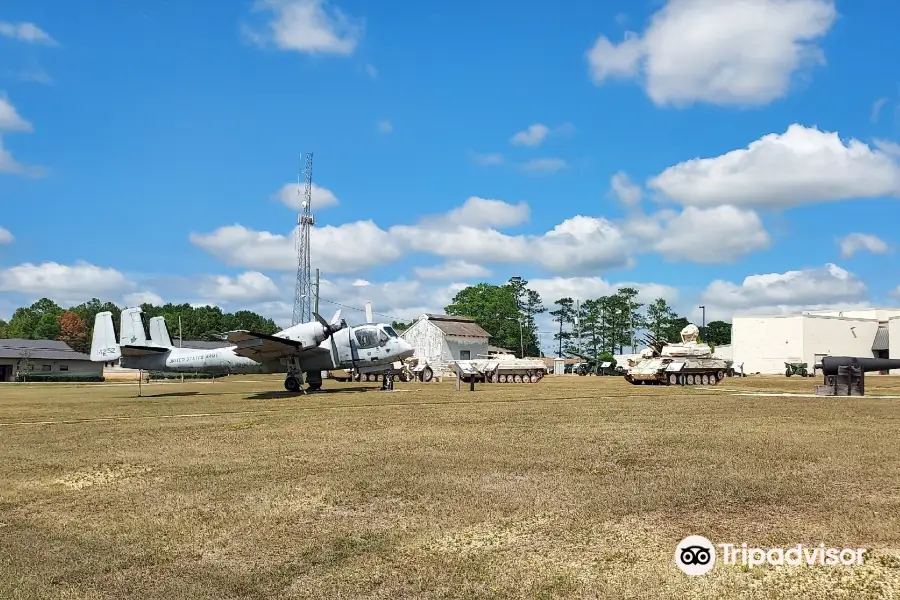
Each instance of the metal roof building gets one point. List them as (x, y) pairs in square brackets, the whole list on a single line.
[(444, 338), (44, 357)]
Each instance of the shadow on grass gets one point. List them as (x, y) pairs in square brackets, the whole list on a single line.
[(176, 394), (282, 395)]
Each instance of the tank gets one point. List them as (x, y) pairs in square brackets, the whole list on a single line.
[(503, 368), (687, 363)]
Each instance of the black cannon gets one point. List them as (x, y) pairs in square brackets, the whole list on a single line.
[(846, 375)]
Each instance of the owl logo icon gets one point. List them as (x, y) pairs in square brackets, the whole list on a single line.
[(695, 555)]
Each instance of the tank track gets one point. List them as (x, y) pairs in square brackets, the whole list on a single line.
[(527, 377), (703, 378)]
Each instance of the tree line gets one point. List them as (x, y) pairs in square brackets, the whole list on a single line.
[(594, 328), (46, 320)]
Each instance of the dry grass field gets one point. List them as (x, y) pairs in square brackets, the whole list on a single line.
[(576, 487)]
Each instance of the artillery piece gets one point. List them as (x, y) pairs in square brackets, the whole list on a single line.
[(846, 375), (690, 362)]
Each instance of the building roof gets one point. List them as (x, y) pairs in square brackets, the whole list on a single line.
[(39, 349), (459, 326), (881, 339), (499, 349)]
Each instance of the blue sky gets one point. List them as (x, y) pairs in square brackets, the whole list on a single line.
[(128, 129)]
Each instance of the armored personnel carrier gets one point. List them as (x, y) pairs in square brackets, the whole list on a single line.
[(687, 363), (503, 368)]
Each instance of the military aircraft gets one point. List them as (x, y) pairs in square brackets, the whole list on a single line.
[(306, 348)]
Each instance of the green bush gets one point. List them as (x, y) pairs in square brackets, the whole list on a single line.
[(59, 378)]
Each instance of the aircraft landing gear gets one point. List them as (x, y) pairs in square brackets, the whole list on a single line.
[(293, 384), (294, 380), (314, 379)]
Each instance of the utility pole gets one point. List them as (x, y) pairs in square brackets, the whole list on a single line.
[(317, 292), (703, 326), (578, 324)]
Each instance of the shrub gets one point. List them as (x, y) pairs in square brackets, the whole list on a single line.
[(27, 378)]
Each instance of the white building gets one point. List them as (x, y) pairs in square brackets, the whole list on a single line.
[(725, 352), (764, 344), (444, 338), (44, 358)]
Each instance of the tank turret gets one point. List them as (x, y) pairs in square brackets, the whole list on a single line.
[(690, 362)]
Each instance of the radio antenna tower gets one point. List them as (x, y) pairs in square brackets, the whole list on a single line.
[(303, 291)]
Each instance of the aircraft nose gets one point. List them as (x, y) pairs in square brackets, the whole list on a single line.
[(406, 349)]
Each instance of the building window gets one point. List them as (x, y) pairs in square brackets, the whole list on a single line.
[(464, 354), (63, 367), (45, 367)]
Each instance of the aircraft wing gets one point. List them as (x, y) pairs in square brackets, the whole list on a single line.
[(264, 348), (142, 350)]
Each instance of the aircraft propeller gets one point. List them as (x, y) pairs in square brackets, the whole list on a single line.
[(334, 326)]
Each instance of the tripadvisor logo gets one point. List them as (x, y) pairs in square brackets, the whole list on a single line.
[(696, 555)]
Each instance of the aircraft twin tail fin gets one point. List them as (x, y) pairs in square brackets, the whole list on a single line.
[(132, 331), (159, 332), (103, 344)]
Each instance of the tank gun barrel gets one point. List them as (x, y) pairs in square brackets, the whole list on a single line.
[(830, 364)]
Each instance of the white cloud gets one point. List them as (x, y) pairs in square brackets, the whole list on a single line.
[(291, 195), (716, 235), (578, 244), (402, 299), (9, 164), (532, 136), (205, 305), (371, 71), (26, 32), (788, 292), (306, 26), (6, 237), (452, 270), (63, 282), (888, 147), (876, 109), (10, 119), (625, 191), (361, 283), (488, 159), (342, 249), (545, 165), (735, 52), (854, 242), (587, 288), (248, 286), (486, 212), (801, 166), (138, 298), (385, 127)]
